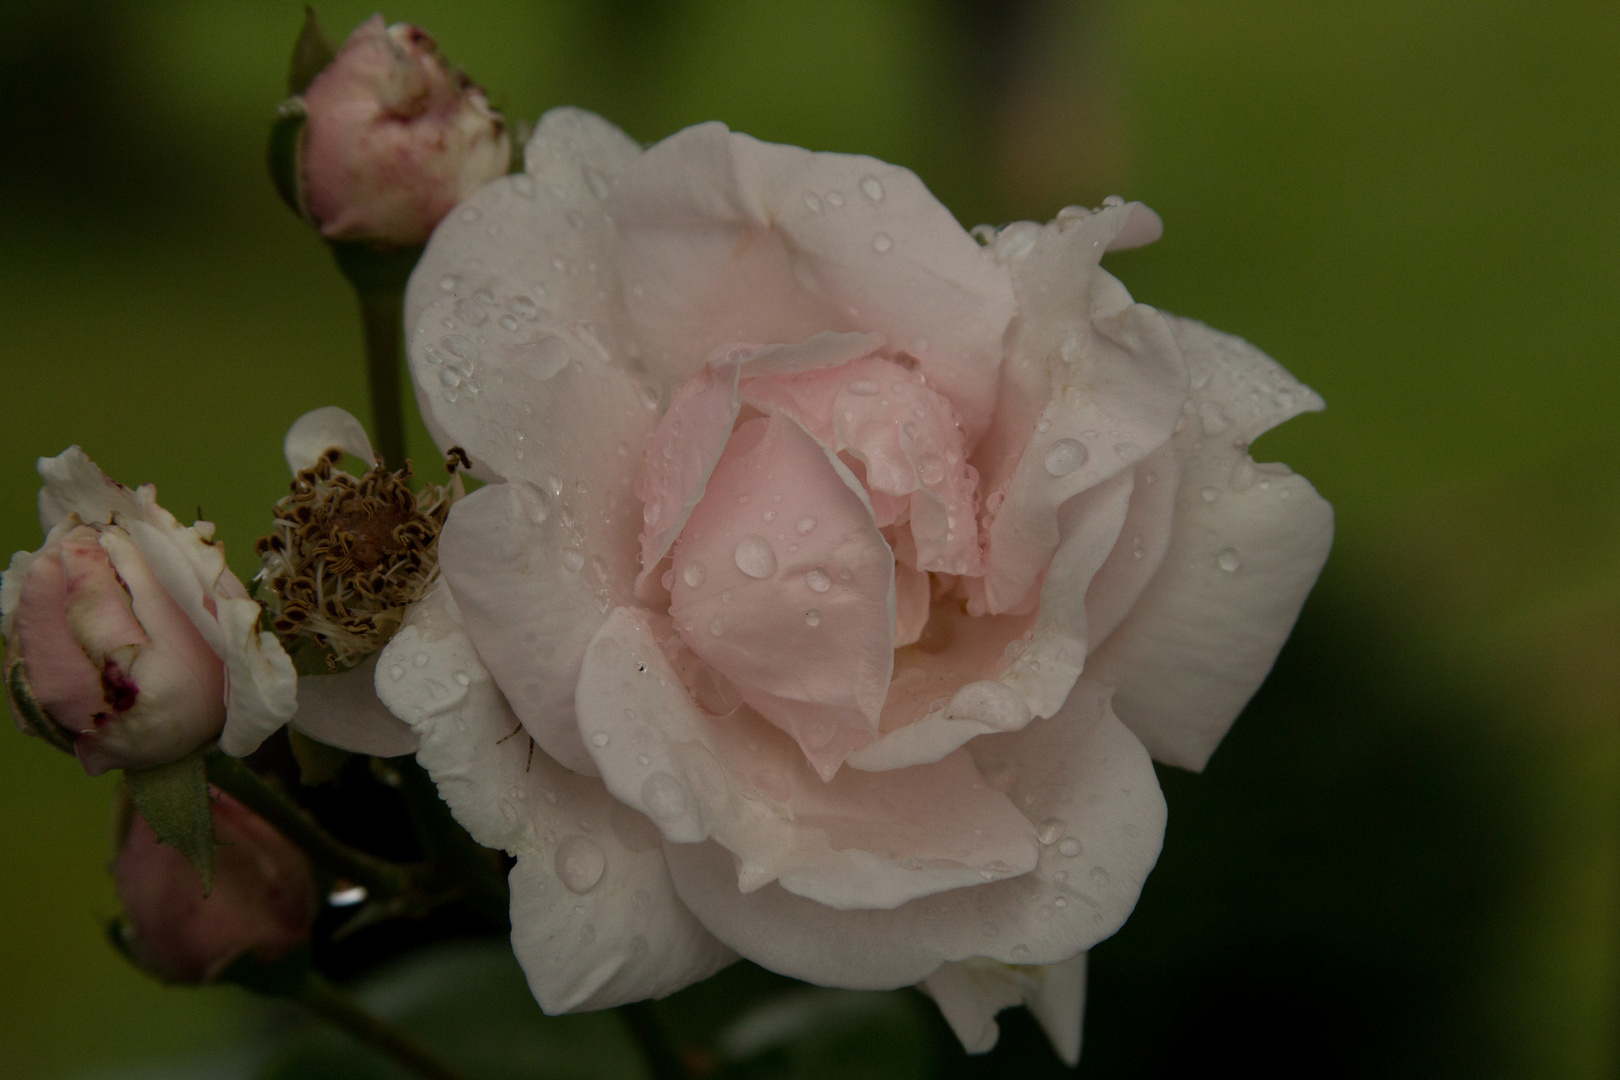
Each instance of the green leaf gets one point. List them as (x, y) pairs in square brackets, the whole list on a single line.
[(470, 1004), (174, 800), (21, 696), (311, 53), (285, 154)]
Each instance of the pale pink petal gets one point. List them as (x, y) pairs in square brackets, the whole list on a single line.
[(73, 485), (320, 430), (534, 572), (546, 270), (595, 922), (678, 459), (64, 681), (723, 238), (343, 710), (1114, 384), (783, 584), (1143, 540), (98, 604), (858, 841), (909, 441), (1083, 781), (910, 604), (1207, 628), (970, 993)]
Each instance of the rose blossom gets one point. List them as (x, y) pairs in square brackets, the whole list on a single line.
[(395, 138), (263, 899), (132, 637), (844, 573)]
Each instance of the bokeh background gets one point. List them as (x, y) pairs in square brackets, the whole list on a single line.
[(1402, 862)]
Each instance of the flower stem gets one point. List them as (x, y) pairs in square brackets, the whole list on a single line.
[(341, 1011), (642, 1020), (379, 276), (379, 876)]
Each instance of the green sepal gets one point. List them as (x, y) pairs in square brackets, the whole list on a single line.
[(318, 763), (173, 799), (281, 978), (285, 153), (23, 703), (311, 53)]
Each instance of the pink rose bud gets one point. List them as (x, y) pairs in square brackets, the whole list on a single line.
[(395, 138), (263, 900), (111, 658)]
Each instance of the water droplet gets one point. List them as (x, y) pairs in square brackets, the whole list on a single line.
[(471, 312), (1020, 953), (909, 429), (1099, 876), (834, 199), (812, 617), (1060, 902), (692, 574), (664, 797), (1210, 494), (397, 672), (462, 678), (872, 187), (1065, 456), (667, 580), (716, 627), (882, 242), (1128, 452), (600, 739), (863, 387), (573, 559), (1049, 830), (1044, 426), (1069, 847), (931, 469), (1228, 560), (449, 283), (1213, 419), (508, 322), (579, 862), (817, 580), (754, 557), (805, 525), (812, 202), (523, 306)]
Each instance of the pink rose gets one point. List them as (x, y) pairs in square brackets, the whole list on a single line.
[(131, 641), (845, 573), (395, 138), (263, 900)]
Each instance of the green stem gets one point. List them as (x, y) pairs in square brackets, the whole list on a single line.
[(341, 1011), (380, 877), (642, 1019), (381, 315)]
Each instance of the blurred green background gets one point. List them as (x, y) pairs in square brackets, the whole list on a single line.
[(1403, 860)]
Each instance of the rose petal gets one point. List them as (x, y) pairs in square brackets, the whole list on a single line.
[(320, 430), (784, 585), (910, 604), (595, 922), (1114, 386), (1144, 538), (1207, 628), (970, 993), (857, 841), (550, 253), (64, 681), (343, 710), (1080, 777), (73, 485), (723, 238)]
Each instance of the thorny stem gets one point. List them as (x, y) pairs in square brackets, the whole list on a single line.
[(341, 1011), (662, 1060), (379, 876)]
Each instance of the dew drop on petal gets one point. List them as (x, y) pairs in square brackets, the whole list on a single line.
[(716, 627), (812, 617), (882, 242), (805, 524), (573, 559), (579, 863), (818, 581), (754, 557), (692, 574), (1049, 830), (397, 672), (1228, 560), (1065, 456), (1069, 847), (872, 187), (813, 202), (600, 739)]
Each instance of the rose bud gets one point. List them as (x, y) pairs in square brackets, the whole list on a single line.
[(263, 900), (394, 138), (128, 641)]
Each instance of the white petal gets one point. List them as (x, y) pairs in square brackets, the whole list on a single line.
[(856, 841), (595, 922), (1207, 628), (1114, 386), (970, 993), (343, 710), (1083, 780), (320, 430), (723, 239), (533, 248), (73, 485)]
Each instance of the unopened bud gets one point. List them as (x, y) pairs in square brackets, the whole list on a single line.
[(263, 900), (393, 139)]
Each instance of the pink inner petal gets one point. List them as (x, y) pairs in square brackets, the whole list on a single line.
[(65, 683), (783, 584)]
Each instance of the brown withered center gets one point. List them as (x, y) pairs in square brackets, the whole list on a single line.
[(348, 554)]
